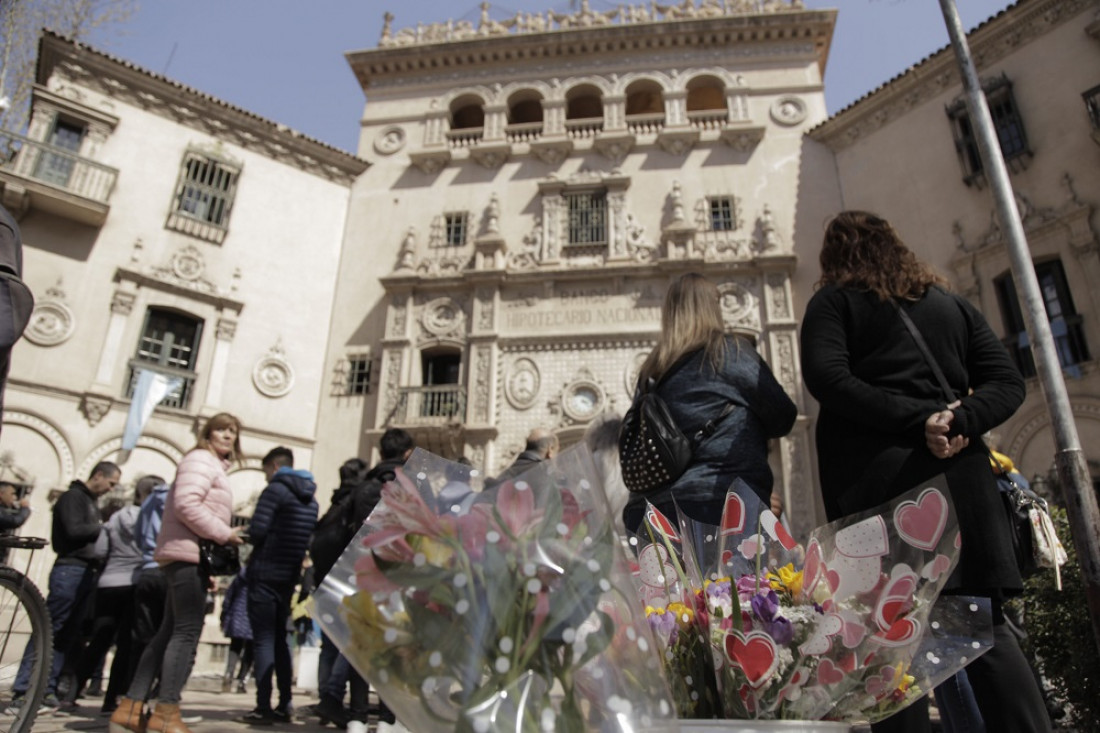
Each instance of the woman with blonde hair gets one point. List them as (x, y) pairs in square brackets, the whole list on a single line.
[(198, 506), (700, 372), (886, 425)]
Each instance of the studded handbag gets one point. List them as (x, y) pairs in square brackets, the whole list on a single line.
[(653, 451)]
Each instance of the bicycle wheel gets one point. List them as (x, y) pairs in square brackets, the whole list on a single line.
[(23, 621)]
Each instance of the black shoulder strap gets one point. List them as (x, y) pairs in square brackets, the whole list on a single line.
[(923, 346)]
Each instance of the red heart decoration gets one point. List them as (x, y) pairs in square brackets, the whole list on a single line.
[(777, 531), (900, 633), (727, 557), (896, 598), (733, 516), (755, 654), (661, 523), (848, 662), (828, 673), (921, 522)]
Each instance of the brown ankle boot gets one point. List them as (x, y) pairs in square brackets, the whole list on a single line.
[(127, 717), (166, 719)]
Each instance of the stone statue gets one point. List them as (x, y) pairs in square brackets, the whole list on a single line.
[(767, 229), (492, 215), (406, 258)]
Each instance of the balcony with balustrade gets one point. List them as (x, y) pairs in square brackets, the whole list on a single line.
[(37, 175), (435, 405)]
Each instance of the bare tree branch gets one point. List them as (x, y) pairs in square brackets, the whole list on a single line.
[(21, 25)]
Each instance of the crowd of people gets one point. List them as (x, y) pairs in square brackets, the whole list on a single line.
[(884, 426)]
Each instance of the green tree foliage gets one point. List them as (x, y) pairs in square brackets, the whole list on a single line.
[(1060, 636), (21, 24)]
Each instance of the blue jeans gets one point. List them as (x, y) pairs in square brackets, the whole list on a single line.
[(70, 587), (268, 611), (958, 709)]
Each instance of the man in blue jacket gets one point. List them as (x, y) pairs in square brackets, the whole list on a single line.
[(280, 530)]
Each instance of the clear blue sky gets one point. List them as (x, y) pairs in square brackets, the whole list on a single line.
[(284, 59)]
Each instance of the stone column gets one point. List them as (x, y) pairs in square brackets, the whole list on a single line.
[(223, 335), (122, 305)]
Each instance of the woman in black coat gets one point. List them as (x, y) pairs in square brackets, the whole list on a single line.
[(885, 426), (700, 370)]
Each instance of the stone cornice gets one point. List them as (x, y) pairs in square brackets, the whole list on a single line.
[(989, 42), (808, 28), (187, 106)]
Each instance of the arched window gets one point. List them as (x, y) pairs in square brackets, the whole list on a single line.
[(705, 93), (467, 113), (441, 395), (583, 102), (643, 97), (524, 107)]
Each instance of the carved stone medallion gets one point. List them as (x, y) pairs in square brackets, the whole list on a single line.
[(187, 264), (442, 316), (52, 322), (789, 110), (390, 140), (273, 375), (521, 387)]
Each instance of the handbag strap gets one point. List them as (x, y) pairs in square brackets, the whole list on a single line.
[(707, 430), (923, 346)]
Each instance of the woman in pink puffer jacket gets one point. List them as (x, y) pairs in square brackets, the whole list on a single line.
[(199, 505)]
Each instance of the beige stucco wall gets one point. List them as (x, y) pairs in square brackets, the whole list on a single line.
[(898, 159)]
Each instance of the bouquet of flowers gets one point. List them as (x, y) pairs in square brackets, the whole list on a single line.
[(848, 627), (510, 608)]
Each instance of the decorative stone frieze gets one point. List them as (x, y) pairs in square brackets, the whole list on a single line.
[(742, 139), (430, 162)]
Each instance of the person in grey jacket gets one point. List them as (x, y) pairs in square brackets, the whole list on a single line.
[(114, 601), (700, 370)]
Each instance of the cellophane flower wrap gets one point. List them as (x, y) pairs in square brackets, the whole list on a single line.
[(677, 613), (850, 627), (508, 609)]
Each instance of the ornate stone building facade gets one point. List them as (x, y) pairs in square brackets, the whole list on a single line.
[(163, 230), (534, 186), (906, 151)]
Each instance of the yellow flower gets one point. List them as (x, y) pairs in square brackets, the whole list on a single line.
[(787, 578), (684, 615), (435, 552)]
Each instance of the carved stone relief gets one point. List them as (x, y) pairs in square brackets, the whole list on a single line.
[(185, 269), (52, 320), (273, 376), (522, 383), (481, 384), (443, 317), (788, 110), (389, 140), (777, 296), (95, 407), (485, 310), (740, 307), (784, 367), (393, 379), (398, 312)]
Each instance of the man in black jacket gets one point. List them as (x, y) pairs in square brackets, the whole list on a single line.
[(16, 301), (334, 670), (279, 532), (76, 527)]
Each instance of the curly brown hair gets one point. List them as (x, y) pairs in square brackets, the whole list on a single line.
[(862, 251)]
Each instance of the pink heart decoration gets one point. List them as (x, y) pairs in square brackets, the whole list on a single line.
[(852, 629), (733, 516), (653, 566), (820, 641), (661, 523), (828, 673), (921, 523), (727, 557), (755, 654), (940, 565), (868, 538), (813, 568), (832, 577)]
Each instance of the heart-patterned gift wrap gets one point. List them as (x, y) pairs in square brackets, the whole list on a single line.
[(755, 654), (921, 522)]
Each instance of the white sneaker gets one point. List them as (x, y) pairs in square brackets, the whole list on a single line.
[(391, 727), (356, 726)]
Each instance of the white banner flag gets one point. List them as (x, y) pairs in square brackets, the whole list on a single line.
[(152, 387)]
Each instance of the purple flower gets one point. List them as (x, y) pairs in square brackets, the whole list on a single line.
[(663, 623), (764, 605), (780, 629), (748, 584)]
